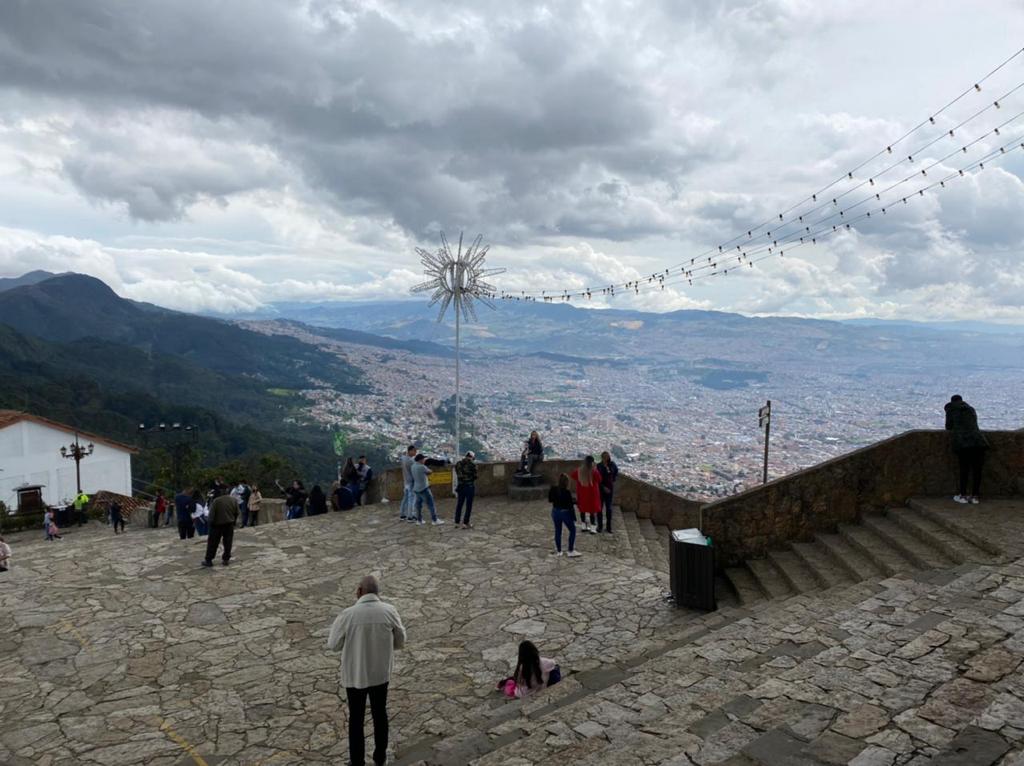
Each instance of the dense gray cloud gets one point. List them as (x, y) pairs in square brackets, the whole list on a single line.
[(583, 139)]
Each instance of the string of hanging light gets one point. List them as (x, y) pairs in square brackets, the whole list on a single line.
[(715, 266), (720, 267), (779, 222)]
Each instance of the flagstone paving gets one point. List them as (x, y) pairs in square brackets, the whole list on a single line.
[(122, 650)]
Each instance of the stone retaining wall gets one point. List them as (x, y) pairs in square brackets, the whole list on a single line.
[(794, 507), (816, 499), (634, 495)]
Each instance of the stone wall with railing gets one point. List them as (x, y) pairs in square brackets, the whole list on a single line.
[(794, 506)]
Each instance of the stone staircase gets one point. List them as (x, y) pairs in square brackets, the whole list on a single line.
[(780, 682), (902, 539)]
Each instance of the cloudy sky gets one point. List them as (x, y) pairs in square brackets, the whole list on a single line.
[(224, 155)]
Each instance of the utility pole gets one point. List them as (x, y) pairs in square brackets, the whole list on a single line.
[(78, 453), (764, 420), (181, 437)]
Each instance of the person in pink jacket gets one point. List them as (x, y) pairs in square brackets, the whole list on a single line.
[(532, 673)]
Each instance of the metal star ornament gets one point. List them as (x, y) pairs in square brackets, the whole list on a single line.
[(457, 279)]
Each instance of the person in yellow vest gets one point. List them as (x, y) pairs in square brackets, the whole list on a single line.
[(80, 503)]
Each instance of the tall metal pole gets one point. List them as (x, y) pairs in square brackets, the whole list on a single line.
[(78, 466), (767, 435), (457, 273)]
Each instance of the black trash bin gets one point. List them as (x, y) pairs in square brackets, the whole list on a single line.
[(692, 575), (63, 517)]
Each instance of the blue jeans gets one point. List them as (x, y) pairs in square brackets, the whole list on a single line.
[(294, 512), (568, 518), (408, 497), (424, 496), (466, 492)]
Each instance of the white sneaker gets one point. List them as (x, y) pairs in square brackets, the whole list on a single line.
[(574, 554), (960, 499), (421, 522), (438, 522), (592, 529), (556, 553), (975, 500)]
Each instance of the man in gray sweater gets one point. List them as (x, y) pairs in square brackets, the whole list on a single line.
[(367, 635), (223, 515)]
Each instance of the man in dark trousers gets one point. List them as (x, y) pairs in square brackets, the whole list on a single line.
[(609, 473), (367, 634), (969, 446), (223, 515), (184, 507), (465, 488)]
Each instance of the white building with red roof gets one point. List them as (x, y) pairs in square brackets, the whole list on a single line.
[(30, 454)]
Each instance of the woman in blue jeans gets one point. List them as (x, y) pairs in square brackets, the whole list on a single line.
[(562, 513)]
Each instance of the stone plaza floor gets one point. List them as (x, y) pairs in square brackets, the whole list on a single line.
[(123, 650)]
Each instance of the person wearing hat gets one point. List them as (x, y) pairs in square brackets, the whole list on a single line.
[(465, 489)]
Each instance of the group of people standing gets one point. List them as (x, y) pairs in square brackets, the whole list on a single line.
[(594, 485)]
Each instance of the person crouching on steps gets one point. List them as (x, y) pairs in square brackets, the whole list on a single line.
[(532, 673), (562, 513)]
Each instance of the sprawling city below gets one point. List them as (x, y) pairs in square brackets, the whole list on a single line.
[(695, 435)]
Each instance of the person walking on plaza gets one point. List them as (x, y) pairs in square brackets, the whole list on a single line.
[(223, 515), (408, 496), (80, 502), (969, 446), (588, 493), (184, 507), (465, 488), (421, 488), (609, 473), (161, 506), (255, 505), (294, 499), (50, 525), (116, 516), (367, 635), (5, 555), (562, 515)]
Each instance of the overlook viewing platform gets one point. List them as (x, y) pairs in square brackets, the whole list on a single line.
[(123, 650)]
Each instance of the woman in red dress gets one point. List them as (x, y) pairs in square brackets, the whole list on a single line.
[(587, 481)]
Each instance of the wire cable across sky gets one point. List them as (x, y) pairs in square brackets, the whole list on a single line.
[(782, 224)]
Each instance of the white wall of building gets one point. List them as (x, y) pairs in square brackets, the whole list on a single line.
[(30, 454)]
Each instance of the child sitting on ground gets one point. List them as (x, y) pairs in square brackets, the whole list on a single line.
[(532, 672)]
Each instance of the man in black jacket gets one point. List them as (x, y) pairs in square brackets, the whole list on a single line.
[(465, 488), (609, 473), (969, 446), (223, 515)]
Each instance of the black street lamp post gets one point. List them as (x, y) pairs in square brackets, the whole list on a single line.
[(78, 453), (181, 438)]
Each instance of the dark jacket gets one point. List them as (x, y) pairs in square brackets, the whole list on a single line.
[(609, 473), (184, 506), (317, 502), (560, 499), (534, 447), (293, 497), (962, 420), (223, 510), (465, 471)]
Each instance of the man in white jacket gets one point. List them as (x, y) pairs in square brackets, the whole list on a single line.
[(367, 635)]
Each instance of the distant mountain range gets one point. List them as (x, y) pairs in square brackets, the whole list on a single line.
[(681, 341), (71, 349)]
